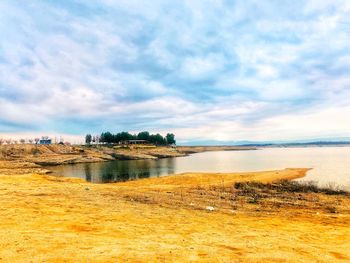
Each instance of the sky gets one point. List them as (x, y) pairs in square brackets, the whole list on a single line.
[(206, 70)]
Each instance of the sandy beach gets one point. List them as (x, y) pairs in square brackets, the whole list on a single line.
[(180, 218)]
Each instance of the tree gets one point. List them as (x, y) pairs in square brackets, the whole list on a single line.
[(22, 141), (102, 137), (125, 136), (88, 139), (170, 138), (143, 136), (157, 139), (1, 141), (106, 137), (36, 140)]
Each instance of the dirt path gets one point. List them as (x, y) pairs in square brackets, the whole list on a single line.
[(47, 219)]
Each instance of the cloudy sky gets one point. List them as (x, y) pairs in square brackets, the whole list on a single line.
[(203, 69)]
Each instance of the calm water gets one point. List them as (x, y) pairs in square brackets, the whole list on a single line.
[(331, 165)]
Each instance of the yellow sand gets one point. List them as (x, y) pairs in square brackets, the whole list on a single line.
[(47, 219)]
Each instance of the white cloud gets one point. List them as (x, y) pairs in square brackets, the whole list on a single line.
[(326, 123), (267, 71), (202, 68)]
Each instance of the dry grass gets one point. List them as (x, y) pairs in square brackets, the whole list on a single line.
[(289, 198)]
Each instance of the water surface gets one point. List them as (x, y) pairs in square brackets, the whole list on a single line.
[(331, 165)]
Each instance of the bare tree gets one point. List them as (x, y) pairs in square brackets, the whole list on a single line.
[(22, 141), (8, 141), (36, 140), (1, 141), (30, 141)]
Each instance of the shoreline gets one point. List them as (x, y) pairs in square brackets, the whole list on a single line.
[(35, 158)]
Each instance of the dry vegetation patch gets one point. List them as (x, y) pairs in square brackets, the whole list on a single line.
[(261, 199)]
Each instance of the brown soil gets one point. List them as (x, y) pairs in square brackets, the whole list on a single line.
[(181, 218), (51, 154)]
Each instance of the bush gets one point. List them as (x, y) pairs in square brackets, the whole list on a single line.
[(288, 186)]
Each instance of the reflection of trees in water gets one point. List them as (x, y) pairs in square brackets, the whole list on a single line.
[(134, 169), (109, 173), (88, 174), (170, 164), (119, 170)]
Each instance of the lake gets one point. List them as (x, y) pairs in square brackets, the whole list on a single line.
[(331, 165)]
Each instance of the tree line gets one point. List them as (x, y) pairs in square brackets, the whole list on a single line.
[(108, 137), (31, 141)]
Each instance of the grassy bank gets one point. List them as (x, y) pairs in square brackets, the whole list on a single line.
[(198, 217)]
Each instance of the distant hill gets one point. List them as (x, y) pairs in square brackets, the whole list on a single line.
[(315, 142), (318, 143)]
